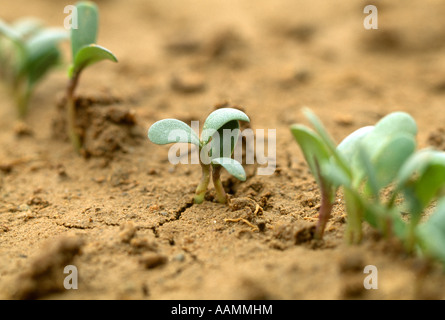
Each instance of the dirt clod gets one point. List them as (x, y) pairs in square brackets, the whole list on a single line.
[(128, 231), (45, 274), (152, 260), (105, 124)]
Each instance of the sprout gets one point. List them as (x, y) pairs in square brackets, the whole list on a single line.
[(363, 164), (215, 149), (28, 51), (374, 159), (85, 52)]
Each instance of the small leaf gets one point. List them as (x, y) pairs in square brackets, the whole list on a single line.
[(386, 146), (219, 118), (349, 150), (224, 140), (46, 38), (422, 178), (336, 176), (391, 157), (89, 55), (232, 166), (15, 38), (393, 124), (313, 148), (432, 233), (42, 53), (37, 68), (87, 26), (10, 33), (27, 27), (319, 128), (172, 131), (349, 146), (418, 163), (396, 122), (325, 138), (368, 171)]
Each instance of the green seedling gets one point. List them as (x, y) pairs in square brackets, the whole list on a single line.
[(215, 149), (28, 51), (375, 154), (420, 181), (85, 52), (317, 154), (431, 234), (381, 175), (364, 163)]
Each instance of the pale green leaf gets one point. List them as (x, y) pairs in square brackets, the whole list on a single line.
[(319, 128), (393, 124), (89, 55), (421, 179), (432, 233), (314, 150), (9, 32), (390, 158), (87, 26), (232, 166), (219, 118), (224, 140), (42, 54), (348, 148), (172, 131), (27, 27)]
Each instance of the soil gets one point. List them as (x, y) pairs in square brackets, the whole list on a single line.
[(124, 216)]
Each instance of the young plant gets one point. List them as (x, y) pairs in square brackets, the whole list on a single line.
[(85, 52), (365, 163), (376, 154), (218, 140), (382, 175), (430, 235), (28, 51), (421, 181), (317, 154)]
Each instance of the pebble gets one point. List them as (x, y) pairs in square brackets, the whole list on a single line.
[(153, 260), (179, 257), (24, 207)]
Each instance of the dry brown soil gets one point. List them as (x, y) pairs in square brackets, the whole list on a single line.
[(124, 216)]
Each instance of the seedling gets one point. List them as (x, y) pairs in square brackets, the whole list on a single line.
[(364, 164), (317, 153), (85, 52), (28, 51), (218, 140), (372, 161), (420, 181)]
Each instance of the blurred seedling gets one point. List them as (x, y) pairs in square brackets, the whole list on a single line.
[(363, 164), (218, 139), (28, 51), (382, 175), (85, 52)]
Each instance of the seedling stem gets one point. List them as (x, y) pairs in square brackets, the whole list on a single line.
[(203, 184), (71, 101), (216, 176)]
